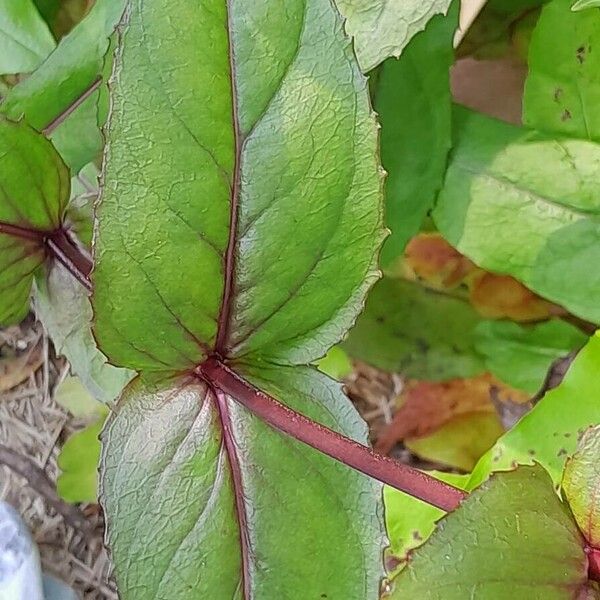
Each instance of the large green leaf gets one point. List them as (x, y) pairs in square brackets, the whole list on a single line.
[(521, 355), (511, 539), (498, 171), (25, 40), (240, 217), (383, 28), (63, 78), (412, 98), (34, 191), (206, 501), (548, 433), (580, 483), (562, 92), (414, 330)]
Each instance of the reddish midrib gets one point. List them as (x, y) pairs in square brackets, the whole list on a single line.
[(229, 266), (223, 328), (60, 245)]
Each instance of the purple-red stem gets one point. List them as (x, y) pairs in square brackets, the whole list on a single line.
[(593, 563), (363, 459), (66, 251)]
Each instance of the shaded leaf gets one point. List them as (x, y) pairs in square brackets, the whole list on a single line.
[(62, 305), (34, 191), (25, 40), (562, 92), (240, 217), (495, 546), (497, 171), (383, 28), (412, 98), (580, 483), (548, 433), (78, 462), (413, 330), (520, 355)]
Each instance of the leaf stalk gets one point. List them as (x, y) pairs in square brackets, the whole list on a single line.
[(341, 448)]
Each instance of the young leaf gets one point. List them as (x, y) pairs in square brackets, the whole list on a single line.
[(34, 191), (412, 98), (240, 218), (580, 484), (69, 75), (497, 546), (497, 171), (383, 28), (417, 331), (562, 92), (521, 355), (560, 415), (25, 40)]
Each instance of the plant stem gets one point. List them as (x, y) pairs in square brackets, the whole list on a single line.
[(59, 119), (593, 563), (363, 459), (21, 232), (66, 251)]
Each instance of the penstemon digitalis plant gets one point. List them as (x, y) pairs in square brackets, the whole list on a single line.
[(237, 234)]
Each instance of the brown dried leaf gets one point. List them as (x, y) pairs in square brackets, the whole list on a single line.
[(426, 407)]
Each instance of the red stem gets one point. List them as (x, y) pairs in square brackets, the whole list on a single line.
[(593, 563), (66, 251), (22, 232), (402, 477)]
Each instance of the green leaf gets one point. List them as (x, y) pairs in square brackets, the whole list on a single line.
[(240, 217), (511, 539), (383, 28), (78, 462), (412, 98), (63, 78), (580, 485), (521, 355), (310, 194), (497, 171), (419, 332), (562, 92), (585, 4), (72, 395), (25, 40), (548, 433), (62, 305), (34, 191), (409, 521), (307, 523), (335, 363)]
